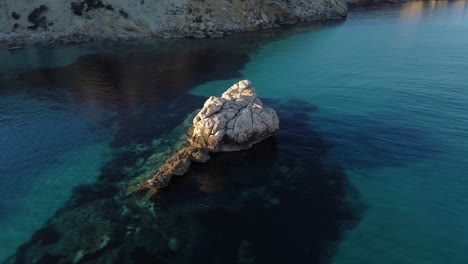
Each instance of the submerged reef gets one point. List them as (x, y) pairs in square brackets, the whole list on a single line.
[(280, 201), (276, 202), (232, 122)]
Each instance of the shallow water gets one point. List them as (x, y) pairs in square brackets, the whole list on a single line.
[(369, 164)]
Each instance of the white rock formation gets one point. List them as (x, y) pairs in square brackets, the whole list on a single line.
[(234, 121)]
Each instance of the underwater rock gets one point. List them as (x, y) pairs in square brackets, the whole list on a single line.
[(244, 255), (173, 244), (73, 235), (235, 121)]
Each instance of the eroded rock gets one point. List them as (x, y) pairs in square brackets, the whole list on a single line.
[(235, 121)]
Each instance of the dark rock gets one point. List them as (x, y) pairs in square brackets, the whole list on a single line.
[(78, 7), (37, 19), (48, 259), (94, 4), (123, 13), (15, 16)]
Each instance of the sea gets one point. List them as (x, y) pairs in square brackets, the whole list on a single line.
[(370, 164)]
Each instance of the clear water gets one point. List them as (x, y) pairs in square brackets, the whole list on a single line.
[(369, 165)]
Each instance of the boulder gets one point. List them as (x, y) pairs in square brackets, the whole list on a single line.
[(199, 34), (202, 27), (265, 18), (234, 121), (194, 26), (210, 25)]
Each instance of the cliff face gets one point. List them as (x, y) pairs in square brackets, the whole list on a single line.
[(101, 19)]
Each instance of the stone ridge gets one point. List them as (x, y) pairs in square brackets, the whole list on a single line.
[(176, 165)]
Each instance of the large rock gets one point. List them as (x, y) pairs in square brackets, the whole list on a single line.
[(234, 121)]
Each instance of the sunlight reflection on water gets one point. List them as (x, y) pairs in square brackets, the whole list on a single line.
[(415, 10)]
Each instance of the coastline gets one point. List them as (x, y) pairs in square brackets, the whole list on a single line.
[(195, 30), (77, 38), (54, 22)]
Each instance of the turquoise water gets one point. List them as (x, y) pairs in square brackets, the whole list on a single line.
[(370, 163), (391, 88), (46, 151), (421, 204)]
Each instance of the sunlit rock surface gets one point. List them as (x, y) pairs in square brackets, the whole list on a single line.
[(235, 121)]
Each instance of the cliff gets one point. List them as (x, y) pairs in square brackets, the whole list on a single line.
[(82, 20)]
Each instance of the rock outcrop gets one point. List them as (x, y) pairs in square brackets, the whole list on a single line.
[(85, 20), (232, 122)]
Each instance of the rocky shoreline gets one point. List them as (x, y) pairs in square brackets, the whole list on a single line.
[(74, 21), (103, 223)]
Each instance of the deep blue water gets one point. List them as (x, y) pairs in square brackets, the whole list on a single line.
[(369, 165)]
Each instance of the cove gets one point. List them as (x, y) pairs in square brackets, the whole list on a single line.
[(368, 164)]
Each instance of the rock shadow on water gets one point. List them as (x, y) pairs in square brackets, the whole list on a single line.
[(378, 140), (278, 202)]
